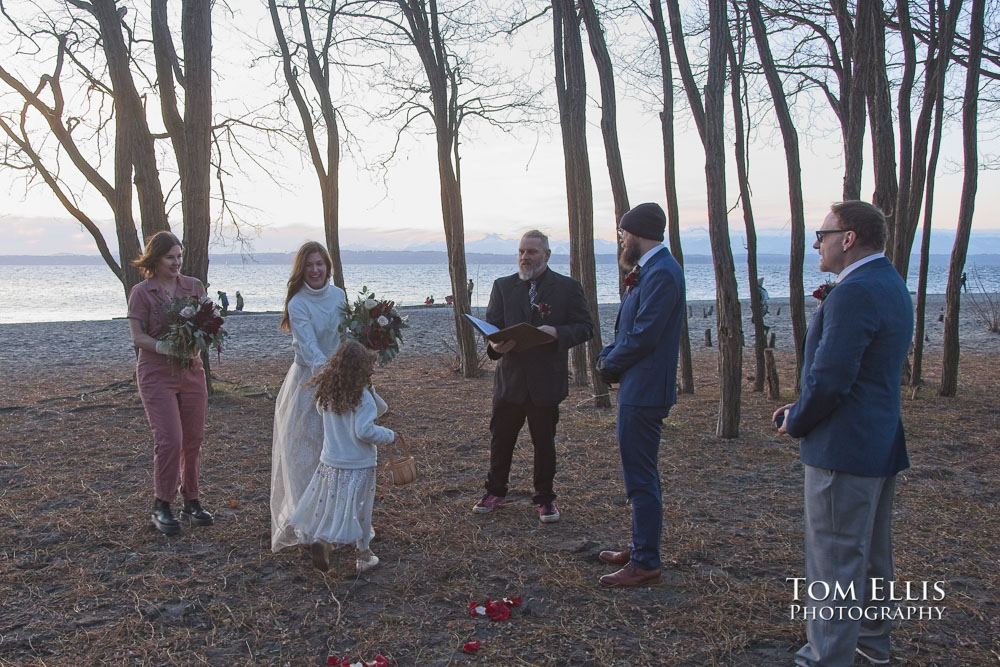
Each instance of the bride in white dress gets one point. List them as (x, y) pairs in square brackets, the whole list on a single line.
[(313, 313)]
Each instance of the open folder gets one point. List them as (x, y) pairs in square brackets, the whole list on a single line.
[(526, 335)]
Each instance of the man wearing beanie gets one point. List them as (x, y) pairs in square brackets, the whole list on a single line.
[(643, 360)]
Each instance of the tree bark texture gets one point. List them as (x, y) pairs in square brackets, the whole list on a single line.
[(728, 321), (953, 299), (196, 179), (857, 94), (790, 139), (686, 371), (609, 118), (425, 33), (571, 94), (880, 119), (152, 212)]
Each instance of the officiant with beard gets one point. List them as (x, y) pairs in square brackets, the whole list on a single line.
[(530, 383)]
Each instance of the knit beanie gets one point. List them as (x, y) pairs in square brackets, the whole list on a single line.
[(645, 220)]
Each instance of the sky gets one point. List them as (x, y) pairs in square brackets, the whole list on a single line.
[(511, 182)]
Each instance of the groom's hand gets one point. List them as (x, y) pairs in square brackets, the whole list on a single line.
[(607, 377)]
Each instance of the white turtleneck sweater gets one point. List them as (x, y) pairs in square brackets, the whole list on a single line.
[(314, 315), (350, 439)]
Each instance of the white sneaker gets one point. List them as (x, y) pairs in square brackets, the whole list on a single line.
[(368, 562), (870, 658)]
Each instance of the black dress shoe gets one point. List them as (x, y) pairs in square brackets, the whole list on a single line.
[(164, 519), (195, 514)]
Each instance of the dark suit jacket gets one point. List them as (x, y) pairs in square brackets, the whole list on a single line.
[(848, 413), (648, 335), (539, 373)]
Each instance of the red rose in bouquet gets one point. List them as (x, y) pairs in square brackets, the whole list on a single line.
[(195, 325), (374, 323)]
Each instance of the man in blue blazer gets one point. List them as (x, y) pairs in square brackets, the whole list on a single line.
[(852, 444), (643, 360)]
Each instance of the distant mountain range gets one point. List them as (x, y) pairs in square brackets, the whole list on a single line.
[(439, 257)]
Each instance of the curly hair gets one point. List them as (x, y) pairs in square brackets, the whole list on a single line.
[(345, 376)]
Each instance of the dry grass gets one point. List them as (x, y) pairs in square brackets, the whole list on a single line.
[(84, 579)]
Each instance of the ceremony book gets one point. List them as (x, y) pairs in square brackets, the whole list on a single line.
[(526, 335)]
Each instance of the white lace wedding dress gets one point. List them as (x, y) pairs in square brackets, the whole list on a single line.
[(298, 428)]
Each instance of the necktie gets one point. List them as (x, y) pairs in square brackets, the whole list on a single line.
[(532, 293)]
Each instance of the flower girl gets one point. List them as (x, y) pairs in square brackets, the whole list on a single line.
[(336, 508)]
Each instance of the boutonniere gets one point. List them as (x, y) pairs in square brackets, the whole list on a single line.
[(632, 279), (542, 308), (823, 291)]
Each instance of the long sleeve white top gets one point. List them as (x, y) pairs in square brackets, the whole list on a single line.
[(314, 315), (350, 439)]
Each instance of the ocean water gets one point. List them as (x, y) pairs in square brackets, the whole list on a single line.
[(61, 293)]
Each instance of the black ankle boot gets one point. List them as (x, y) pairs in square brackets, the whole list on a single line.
[(195, 514), (164, 519)]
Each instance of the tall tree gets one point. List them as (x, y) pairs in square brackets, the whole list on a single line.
[(710, 121), (321, 122), (970, 110), (571, 95), (790, 139), (423, 30), (737, 56), (655, 17), (609, 116)]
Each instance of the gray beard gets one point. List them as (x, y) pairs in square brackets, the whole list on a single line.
[(526, 274)]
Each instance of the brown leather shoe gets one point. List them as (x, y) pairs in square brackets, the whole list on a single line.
[(630, 576), (615, 557)]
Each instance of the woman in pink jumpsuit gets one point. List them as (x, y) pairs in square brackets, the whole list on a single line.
[(175, 399)]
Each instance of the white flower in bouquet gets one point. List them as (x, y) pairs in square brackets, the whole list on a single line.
[(188, 312), (383, 321), (370, 303)]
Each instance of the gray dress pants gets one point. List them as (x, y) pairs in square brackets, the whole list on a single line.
[(848, 544)]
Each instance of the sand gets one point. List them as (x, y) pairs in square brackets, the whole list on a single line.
[(74, 347)]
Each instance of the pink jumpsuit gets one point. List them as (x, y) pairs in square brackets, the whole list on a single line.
[(176, 400)]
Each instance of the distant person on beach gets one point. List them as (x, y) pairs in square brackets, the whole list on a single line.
[(643, 360), (223, 300), (239, 302), (429, 301), (336, 507), (313, 311), (175, 399), (851, 439), (964, 279), (472, 286), (530, 383)]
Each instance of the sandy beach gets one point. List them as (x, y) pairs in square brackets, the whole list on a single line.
[(73, 347)]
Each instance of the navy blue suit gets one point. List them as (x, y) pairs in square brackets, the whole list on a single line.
[(644, 357), (852, 445)]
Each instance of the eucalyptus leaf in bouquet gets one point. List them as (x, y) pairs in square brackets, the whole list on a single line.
[(374, 323)]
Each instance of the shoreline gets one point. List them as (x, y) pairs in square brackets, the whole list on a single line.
[(86, 346)]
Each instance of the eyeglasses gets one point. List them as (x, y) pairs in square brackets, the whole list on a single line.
[(820, 233), (619, 230)]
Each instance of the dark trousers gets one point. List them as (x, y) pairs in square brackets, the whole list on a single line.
[(505, 424), (639, 431)]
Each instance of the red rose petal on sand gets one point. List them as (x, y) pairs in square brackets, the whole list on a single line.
[(473, 646)]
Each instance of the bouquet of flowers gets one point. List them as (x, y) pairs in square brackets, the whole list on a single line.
[(195, 325), (375, 324)]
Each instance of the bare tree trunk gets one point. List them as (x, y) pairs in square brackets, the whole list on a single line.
[(741, 147), (728, 320), (670, 180), (328, 173), (425, 35), (152, 211), (796, 292), (949, 370), (609, 122), (925, 247), (914, 175), (880, 118), (196, 179), (571, 93), (857, 95)]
